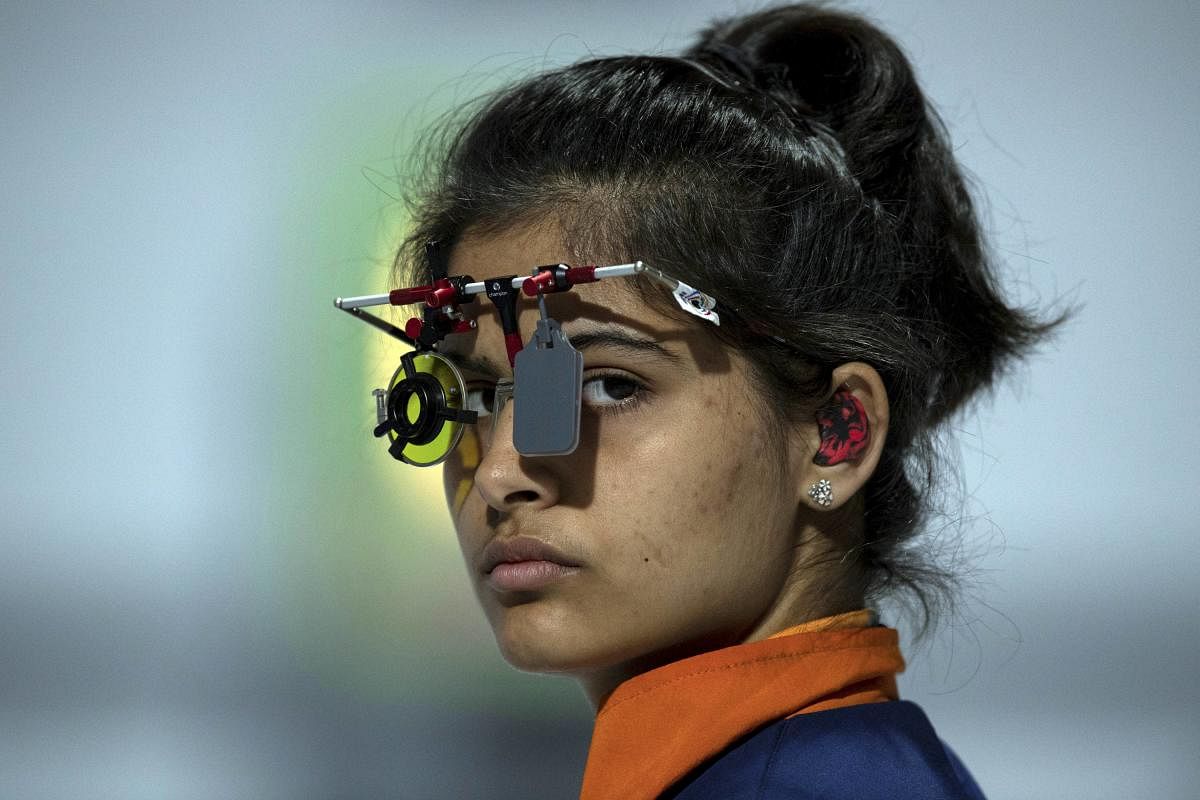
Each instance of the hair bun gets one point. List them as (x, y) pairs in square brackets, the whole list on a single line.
[(838, 70), (834, 68)]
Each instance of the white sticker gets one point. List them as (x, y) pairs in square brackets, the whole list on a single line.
[(696, 302)]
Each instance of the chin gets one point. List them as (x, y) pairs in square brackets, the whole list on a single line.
[(532, 660), (538, 657), (531, 642)]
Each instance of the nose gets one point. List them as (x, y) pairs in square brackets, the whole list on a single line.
[(506, 479)]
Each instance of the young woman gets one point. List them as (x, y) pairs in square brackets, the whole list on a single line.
[(742, 491)]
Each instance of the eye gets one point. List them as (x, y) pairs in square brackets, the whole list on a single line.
[(480, 399), (612, 392)]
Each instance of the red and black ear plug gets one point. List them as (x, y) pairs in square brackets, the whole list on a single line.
[(844, 430)]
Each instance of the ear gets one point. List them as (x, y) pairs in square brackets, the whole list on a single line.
[(844, 439)]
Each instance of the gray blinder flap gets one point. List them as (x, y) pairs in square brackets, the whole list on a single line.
[(548, 384)]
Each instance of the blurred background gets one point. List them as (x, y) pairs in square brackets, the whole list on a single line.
[(214, 583)]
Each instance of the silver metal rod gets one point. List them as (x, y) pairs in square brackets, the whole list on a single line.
[(620, 270), (614, 271), (479, 287), (659, 275), (381, 324), (347, 303), (694, 296)]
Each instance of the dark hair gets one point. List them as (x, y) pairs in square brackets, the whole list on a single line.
[(789, 164)]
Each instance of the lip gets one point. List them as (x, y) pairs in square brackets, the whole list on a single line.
[(524, 563)]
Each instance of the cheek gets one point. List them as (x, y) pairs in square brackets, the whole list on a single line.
[(458, 471), (684, 491)]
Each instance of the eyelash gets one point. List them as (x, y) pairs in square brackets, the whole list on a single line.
[(635, 399), (469, 403)]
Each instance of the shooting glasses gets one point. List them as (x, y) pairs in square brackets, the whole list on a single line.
[(426, 404)]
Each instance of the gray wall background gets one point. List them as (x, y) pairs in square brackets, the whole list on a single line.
[(214, 584)]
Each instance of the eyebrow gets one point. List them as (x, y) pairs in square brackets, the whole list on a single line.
[(617, 339), (480, 366), (623, 341)]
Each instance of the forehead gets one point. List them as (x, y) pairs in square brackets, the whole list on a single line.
[(518, 248)]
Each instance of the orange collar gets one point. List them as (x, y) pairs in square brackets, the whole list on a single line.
[(658, 726)]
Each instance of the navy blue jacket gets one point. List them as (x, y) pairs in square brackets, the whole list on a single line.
[(873, 751)]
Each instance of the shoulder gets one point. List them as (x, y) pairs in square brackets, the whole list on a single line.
[(874, 750)]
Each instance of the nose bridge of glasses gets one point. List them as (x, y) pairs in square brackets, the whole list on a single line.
[(497, 425)]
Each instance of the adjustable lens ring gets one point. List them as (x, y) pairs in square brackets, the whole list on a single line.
[(430, 407), (424, 418)]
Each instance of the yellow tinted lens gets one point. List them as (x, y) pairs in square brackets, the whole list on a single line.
[(435, 450), (413, 412)]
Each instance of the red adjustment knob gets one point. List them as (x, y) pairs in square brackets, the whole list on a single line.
[(413, 327), (557, 278), (404, 297), (441, 296), (581, 275), (543, 281)]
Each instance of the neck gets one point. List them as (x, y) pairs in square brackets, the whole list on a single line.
[(814, 588)]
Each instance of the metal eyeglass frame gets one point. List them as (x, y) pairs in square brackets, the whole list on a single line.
[(416, 408)]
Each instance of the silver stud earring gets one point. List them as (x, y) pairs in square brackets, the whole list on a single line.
[(822, 493)]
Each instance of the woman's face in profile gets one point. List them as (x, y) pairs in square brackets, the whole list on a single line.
[(682, 538)]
